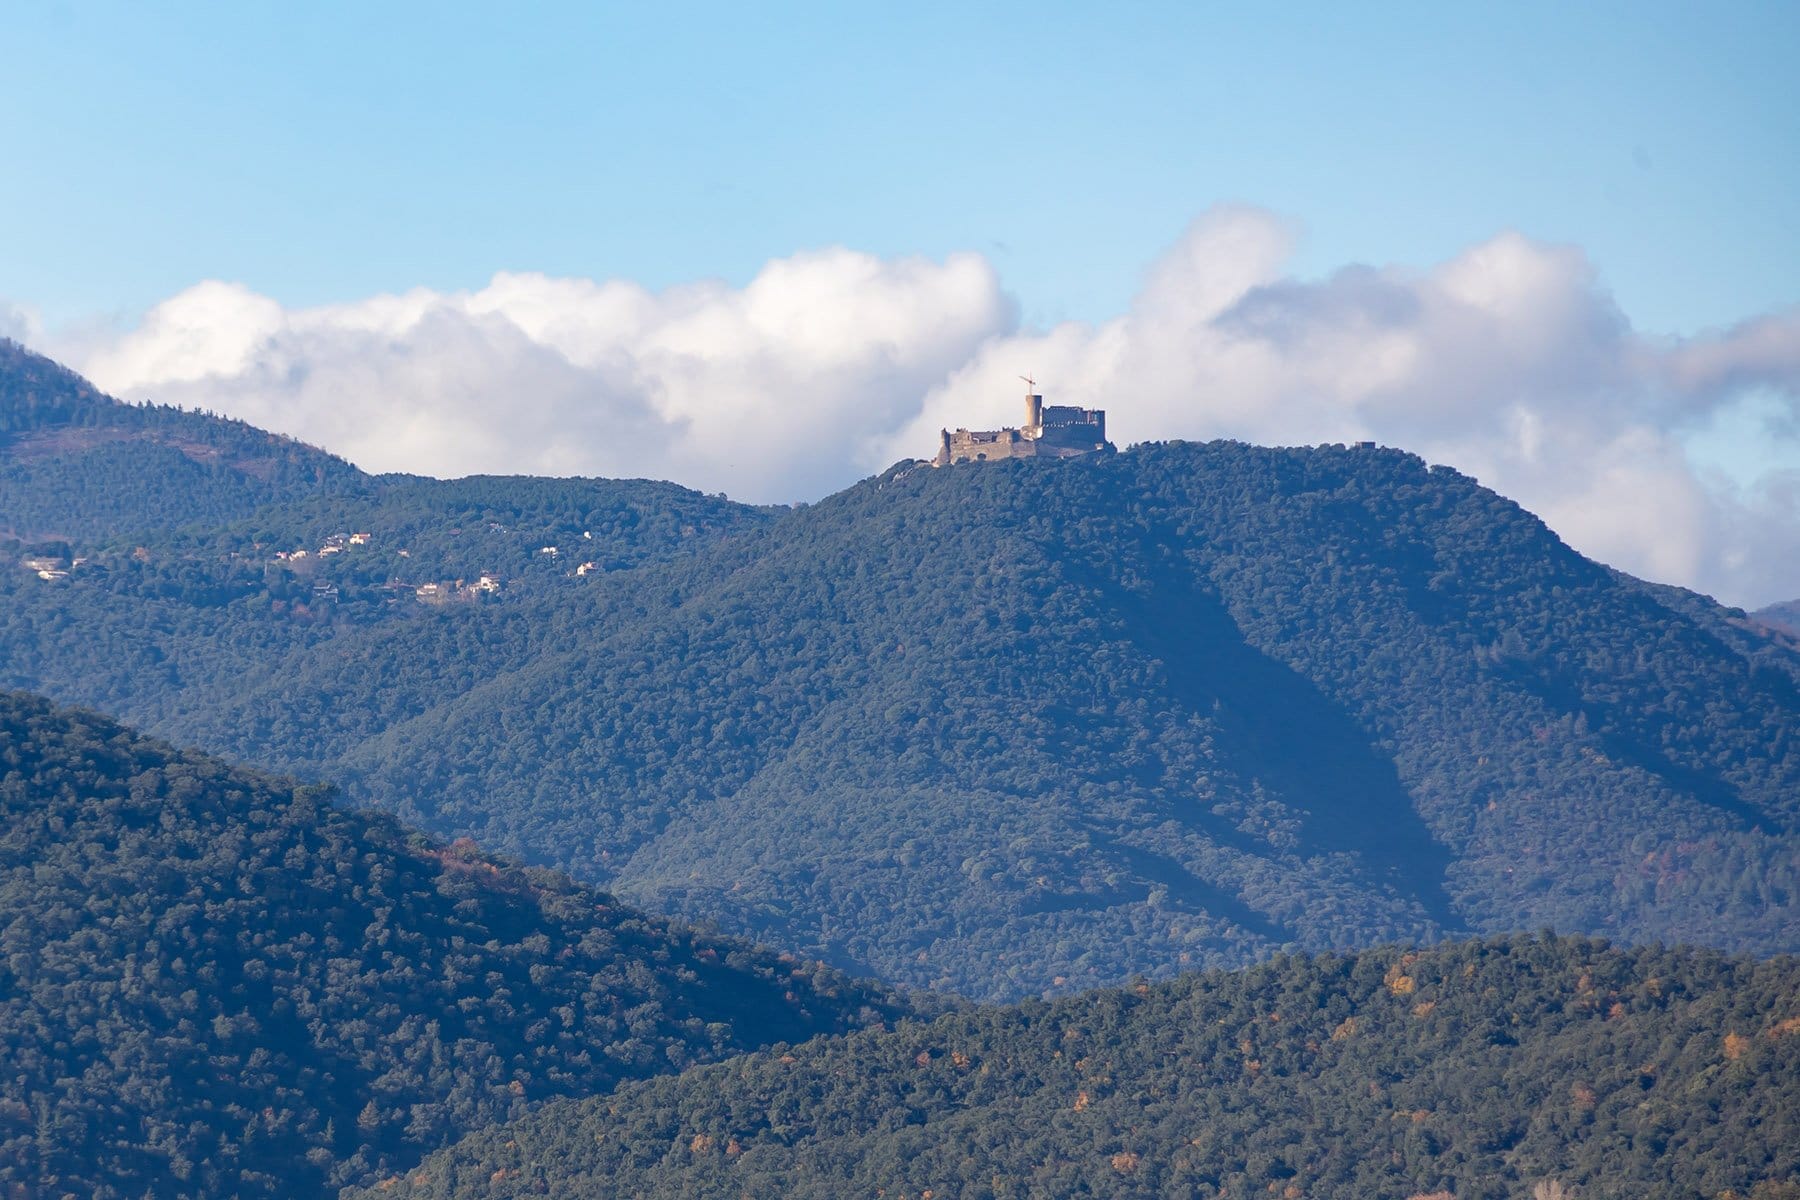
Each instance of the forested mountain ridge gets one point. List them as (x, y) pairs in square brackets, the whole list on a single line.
[(78, 464), (1037, 726), (1486, 1070), (178, 558), (81, 468), (213, 982), (1006, 729)]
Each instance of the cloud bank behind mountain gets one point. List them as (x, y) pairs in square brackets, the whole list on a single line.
[(1509, 361)]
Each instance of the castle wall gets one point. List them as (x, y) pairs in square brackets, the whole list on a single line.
[(1056, 431), (984, 445)]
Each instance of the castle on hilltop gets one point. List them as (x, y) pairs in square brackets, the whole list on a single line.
[(1057, 431)]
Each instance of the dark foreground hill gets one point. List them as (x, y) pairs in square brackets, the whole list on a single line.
[(1004, 729), (1476, 1071), (214, 983)]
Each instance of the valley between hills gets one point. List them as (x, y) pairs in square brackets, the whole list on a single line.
[(462, 837)]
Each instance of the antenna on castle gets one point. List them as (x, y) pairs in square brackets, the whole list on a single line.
[(1029, 382)]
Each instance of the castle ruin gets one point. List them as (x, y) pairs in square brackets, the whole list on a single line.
[(1054, 431)]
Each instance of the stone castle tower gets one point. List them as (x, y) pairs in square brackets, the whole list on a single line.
[(1053, 431)]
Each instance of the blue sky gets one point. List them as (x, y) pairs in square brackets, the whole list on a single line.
[(1555, 246), (325, 151)]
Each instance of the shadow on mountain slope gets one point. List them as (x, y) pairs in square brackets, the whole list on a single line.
[(1304, 747)]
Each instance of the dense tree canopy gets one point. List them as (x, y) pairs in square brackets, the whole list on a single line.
[(77, 464), (1473, 1071), (216, 983), (1008, 729)]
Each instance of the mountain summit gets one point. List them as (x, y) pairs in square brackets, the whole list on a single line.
[(1008, 729)]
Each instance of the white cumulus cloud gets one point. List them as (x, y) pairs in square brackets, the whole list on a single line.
[(18, 324), (1509, 361), (714, 386)]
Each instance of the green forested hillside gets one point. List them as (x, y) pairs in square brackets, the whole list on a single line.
[(215, 983), (1485, 1070), (77, 464), (1014, 729), (192, 566), (217, 499), (1008, 729)]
